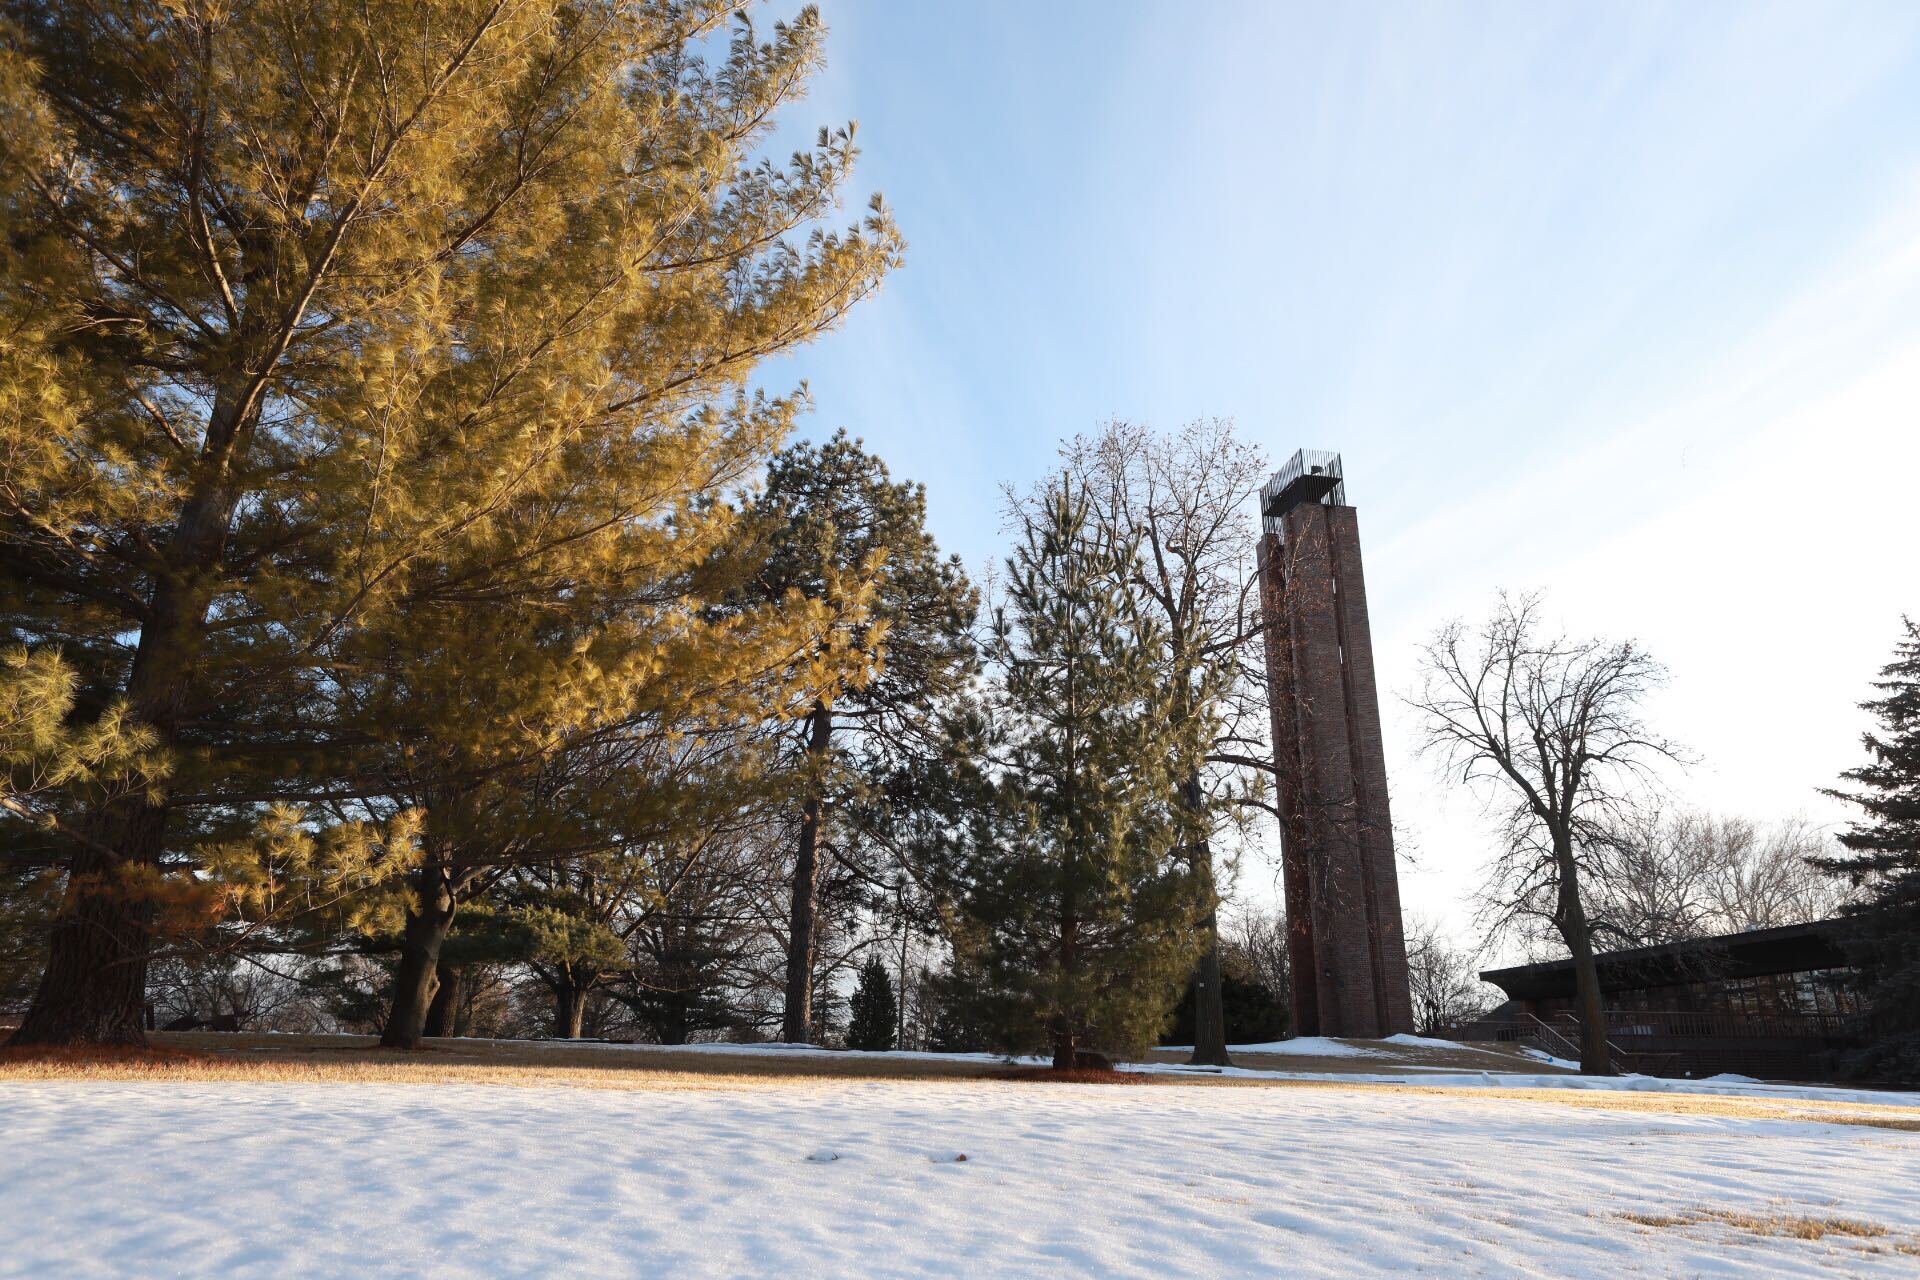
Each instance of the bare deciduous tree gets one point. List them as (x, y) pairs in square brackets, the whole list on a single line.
[(1258, 941), (1664, 877), (1446, 989), (1549, 728), (240, 993)]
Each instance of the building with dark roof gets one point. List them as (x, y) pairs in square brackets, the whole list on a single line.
[(1774, 1003)]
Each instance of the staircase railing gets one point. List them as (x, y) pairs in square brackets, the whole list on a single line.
[(1631, 1060), (1552, 1042)]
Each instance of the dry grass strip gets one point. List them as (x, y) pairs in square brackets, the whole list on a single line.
[(1739, 1106), (1867, 1237), (1797, 1226), (535, 1066), (1818, 1111)]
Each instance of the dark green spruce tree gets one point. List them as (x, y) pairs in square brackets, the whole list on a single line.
[(1074, 900), (833, 515), (874, 1010), (1178, 498), (1883, 859)]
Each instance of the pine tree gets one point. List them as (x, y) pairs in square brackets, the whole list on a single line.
[(1885, 863), (968, 1019), (698, 943), (831, 512), (1181, 499), (1074, 903), (45, 750), (875, 1011), (338, 344)]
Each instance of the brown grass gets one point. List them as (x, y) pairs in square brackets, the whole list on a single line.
[(1873, 1115), (154, 1058), (208, 1057), (1079, 1075), (533, 1065), (1796, 1226)]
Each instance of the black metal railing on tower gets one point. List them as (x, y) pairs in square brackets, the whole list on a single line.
[(1310, 475)]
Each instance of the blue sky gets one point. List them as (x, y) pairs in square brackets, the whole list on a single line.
[(1617, 300)]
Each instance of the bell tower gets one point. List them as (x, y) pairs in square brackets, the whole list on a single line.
[(1344, 936)]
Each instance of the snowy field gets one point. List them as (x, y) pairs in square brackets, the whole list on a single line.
[(864, 1178)]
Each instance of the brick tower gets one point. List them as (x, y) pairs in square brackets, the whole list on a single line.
[(1344, 937)]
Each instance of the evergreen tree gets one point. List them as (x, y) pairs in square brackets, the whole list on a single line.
[(342, 342), (1181, 500), (1251, 1011), (682, 982), (46, 751), (969, 1018), (965, 1020), (1884, 861), (832, 513), (874, 1011), (1073, 899)]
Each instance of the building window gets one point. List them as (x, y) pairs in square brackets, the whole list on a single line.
[(1772, 995)]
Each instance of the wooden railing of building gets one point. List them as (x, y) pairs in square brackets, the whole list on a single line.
[(1685, 1043)]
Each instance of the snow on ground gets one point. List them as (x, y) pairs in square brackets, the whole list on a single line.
[(865, 1178), (1422, 1042), (1407, 1071), (1723, 1086)]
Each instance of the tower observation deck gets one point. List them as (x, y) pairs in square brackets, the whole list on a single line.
[(1311, 475), (1344, 934)]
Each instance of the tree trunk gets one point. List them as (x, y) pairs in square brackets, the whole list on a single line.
[(796, 1025), (1065, 1046), (1066, 1043), (1209, 1012), (569, 1010), (900, 994), (1596, 1057), (1209, 999), (93, 989), (443, 1015), (426, 931)]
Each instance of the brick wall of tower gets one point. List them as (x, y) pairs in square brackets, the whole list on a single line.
[(1290, 784), (1388, 958), (1343, 902)]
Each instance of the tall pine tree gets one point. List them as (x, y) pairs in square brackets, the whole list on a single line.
[(1075, 902), (1181, 499), (380, 319), (1884, 861), (831, 512)]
